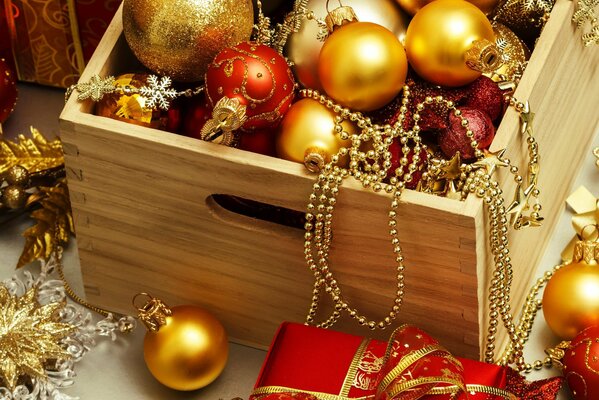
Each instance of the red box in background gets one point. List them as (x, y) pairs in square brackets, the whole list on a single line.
[(49, 41), (93, 18), (324, 363)]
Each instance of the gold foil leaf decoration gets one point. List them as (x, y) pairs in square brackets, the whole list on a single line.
[(30, 336), (54, 224), (34, 153)]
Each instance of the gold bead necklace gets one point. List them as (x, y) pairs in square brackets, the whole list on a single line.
[(370, 168)]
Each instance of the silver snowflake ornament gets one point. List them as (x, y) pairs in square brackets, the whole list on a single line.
[(158, 92)]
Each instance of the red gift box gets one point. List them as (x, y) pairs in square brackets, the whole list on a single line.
[(332, 365), (49, 41)]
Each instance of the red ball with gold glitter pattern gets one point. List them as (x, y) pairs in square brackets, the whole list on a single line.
[(8, 91), (581, 364), (258, 77)]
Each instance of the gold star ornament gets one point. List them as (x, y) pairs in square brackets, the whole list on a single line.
[(30, 336), (492, 161), (95, 89)]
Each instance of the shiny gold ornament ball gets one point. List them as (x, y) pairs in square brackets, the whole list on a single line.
[(362, 66), (303, 47), (189, 352), (571, 299), (412, 6), (307, 134), (179, 38), (439, 37), (514, 53)]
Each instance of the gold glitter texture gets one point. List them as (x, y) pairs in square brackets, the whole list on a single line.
[(179, 38), (30, 336)]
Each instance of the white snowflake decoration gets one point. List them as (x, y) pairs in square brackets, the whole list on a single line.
[(159, 92)]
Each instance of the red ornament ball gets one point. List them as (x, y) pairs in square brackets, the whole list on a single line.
[(434, 117), (485, 95), (454, 138), (258, 77), (581, 363), (8, 91), (261, 141), (195, 114), (397, 154)]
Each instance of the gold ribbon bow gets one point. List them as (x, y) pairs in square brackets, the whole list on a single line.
[(585, 221), (397, 380)]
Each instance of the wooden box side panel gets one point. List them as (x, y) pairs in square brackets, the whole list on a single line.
[(561, 83), (144, 224)]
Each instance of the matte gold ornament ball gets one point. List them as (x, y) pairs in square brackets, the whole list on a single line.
[(178, 38), (362, 66), (439, 38), (189, 351), (571, 298), (303, 47), (307, 134), (412, 6)]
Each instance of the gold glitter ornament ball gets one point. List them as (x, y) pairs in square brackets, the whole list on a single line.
[(179, 38), (303, 47), (439, 38), (13, 197)]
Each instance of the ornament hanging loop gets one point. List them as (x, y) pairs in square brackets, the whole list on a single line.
[(153, 313), (340, 16), (327, 5), (593, 235)]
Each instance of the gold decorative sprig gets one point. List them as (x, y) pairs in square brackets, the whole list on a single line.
[(158, 90), (585, 14), (54, 224), (277, 37), (33, 153), (30, 336)]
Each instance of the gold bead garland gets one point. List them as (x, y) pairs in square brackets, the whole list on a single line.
[(370, 168)]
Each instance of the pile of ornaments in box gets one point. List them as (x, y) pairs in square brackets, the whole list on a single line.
[(294, 80)]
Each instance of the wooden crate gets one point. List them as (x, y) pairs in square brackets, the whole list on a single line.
[(146, 220)]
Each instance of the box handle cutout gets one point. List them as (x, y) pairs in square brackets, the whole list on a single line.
[(255, 210)]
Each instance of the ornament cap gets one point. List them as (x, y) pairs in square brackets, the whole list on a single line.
[(557, 353), (228, 115), (586, 251), (483, 56), (340, 16), (153, 313), (315, 158)]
